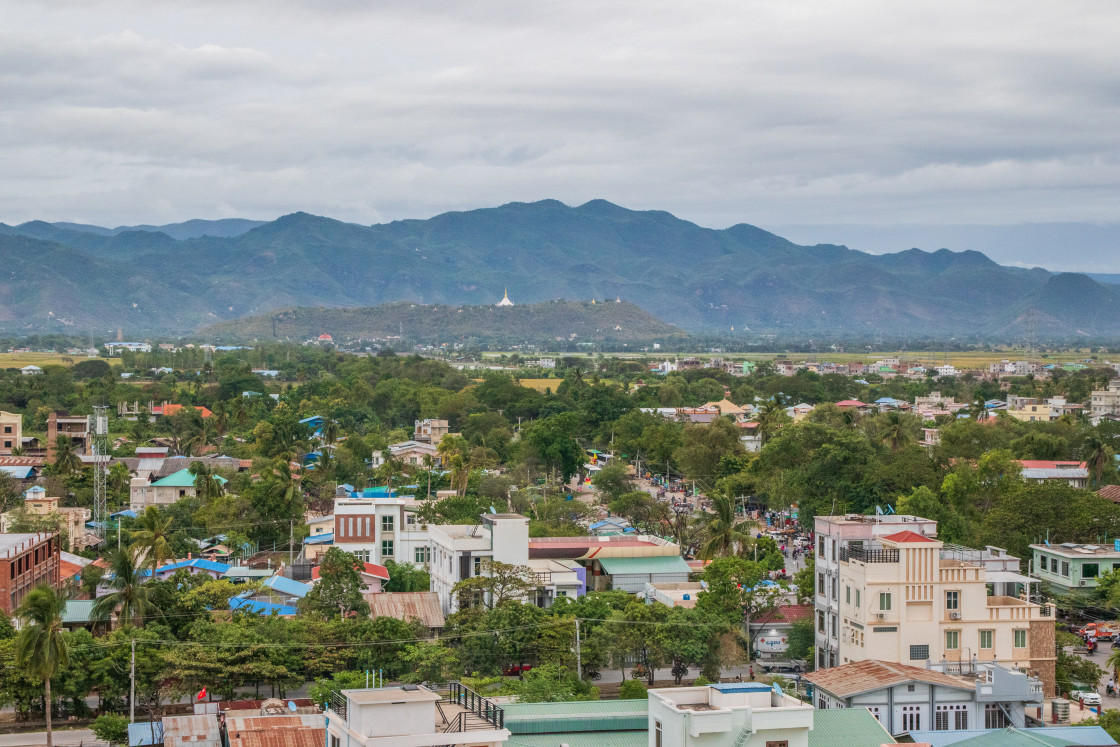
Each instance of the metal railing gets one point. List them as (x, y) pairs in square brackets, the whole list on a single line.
[(338, 704), (866, 555), (484, 708)]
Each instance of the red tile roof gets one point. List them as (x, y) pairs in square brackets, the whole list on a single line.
[(372, 569), (168, 410), (785, 614), (1111, 492), (850, 403), (1050, 464), (907, 536), (69, 570), (867, 676)]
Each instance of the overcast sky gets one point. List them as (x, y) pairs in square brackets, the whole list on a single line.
[(778, 112)]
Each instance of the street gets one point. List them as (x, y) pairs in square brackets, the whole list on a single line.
[(75, 737)]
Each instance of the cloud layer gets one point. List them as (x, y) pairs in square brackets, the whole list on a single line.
[(770, 112)]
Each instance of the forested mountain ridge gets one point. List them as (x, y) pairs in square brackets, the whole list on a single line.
[(697, 278)]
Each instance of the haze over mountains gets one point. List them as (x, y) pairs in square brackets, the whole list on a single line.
[(176, 279)]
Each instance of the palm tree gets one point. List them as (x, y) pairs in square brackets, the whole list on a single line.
[(129, 597), (331, 432), (726, 536), (1097, 456), (151, 538), (894, 430), (40, 645), (65, 460), (1113, 663), (206, 482)]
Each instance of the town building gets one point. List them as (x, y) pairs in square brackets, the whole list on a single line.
[(77, 427), (164, 491), (1071, 568), (681, 594), (26, 561), (409, 453), (770, 632), (906, 598), (415, 716), (115, 348), (11, 432), (556, 579), (421, 606), (430, 431), (380, 527), (1103, 402), (908, 698), (457, 551), (70, 520), (623, 562), (1076, 474)]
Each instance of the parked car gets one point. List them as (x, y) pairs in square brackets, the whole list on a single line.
[(792, 665), (1088, 697)]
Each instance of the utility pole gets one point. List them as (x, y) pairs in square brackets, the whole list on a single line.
[(291, 541), (579, 665), (132, 687)]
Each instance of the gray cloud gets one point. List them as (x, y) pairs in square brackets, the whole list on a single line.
[(759, 111)]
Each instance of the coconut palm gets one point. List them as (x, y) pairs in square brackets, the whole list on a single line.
[(894, 431), (129, 598), (151, 538), (66, 461), (206, 482), (40, 646), (726, 535), (331, 432), (1097, 456)]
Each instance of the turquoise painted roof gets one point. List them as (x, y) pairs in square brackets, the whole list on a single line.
[(655, 564), (577, 716), (584, 739), (77, 612), (847, 727), (182, 479)]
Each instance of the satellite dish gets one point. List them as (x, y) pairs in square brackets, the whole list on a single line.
[(292, 706), (492, 510)]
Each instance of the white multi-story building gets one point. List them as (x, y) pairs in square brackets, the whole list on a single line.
[(457, 551), (380, 529), (1106, 401), (905, 598), (409, 453), (834, 533), (408, 716)]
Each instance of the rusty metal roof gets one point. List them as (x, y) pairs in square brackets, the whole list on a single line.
[(867, 676), (196, 731), (307, 730), (405, 605)]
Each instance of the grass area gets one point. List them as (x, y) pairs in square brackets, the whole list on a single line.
[(19, 360), (541, 384)]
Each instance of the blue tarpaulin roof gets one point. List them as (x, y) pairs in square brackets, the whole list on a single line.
[(287, 586), (327, 538), (261, 608)]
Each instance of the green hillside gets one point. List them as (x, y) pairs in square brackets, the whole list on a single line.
[(580, 321)]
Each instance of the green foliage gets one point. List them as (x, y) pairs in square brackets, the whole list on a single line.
[(339, 590), (801, 636), (406, 577), (632, 690), (111, 728)]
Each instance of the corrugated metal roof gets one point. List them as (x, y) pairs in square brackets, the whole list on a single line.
[(306, 730), (144, 734), (182, 479), (847, 727), (287, 586), (577, 716), (77, 611), (1083, 735), (583, 739), (870, 675), (405, 605), (197, 731), (653, 564)]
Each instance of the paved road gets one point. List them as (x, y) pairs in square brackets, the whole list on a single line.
[(68, 738)]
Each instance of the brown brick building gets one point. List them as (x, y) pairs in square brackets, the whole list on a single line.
[(26, 561)]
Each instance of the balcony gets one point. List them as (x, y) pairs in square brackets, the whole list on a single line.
[(867, 555)]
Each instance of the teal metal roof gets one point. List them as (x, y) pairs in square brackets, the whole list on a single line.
[(583, 739), (577, 716), (77, 612), (1066, 735), (655, 564), (182, 479), (847, 727)]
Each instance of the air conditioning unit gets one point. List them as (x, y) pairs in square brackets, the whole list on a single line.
[(881, 616), (954, 616)]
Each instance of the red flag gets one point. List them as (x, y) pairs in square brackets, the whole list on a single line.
[(201, 694)]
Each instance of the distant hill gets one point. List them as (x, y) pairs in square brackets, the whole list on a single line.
[(578, 321), (699, 279)]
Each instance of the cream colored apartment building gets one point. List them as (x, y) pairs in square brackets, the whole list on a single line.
[(903, 600)]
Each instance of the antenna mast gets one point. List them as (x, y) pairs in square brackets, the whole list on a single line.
[(99, 431)]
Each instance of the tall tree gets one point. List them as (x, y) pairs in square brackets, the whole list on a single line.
[(130, 599), (1097, 456), (41, 646), (206, 482), (151, 538), (66, 460), (339, 589), (726, 535)]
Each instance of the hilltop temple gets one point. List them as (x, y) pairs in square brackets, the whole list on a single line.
[(505, 299)]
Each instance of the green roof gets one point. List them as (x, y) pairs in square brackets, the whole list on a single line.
[(584, 739), (581, 716), (182, 479), (77, 612), (1012, 737), (847, 727), (655, 564)]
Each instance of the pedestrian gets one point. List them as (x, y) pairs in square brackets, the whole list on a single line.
[(751, 674)]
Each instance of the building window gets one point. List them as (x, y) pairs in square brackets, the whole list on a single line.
[(919, 653), (986, 638), (847, 595), (952, 640), (834, 626), (834, 543), (657, 734), (952, 600), (478, 566), (820, 659), (335, 741), (994, 717), (820, 546), (386, 549), (423, 554), (820, 583), (962, 718), (386, 523), (1019, 639), (1053, 565), (941, 719), (7, 429), (820, 622), (1065, 568), (362, 555), (884, 601), (777, 743), (1089, 570), (911, 718), (410, 519), (857, 598)]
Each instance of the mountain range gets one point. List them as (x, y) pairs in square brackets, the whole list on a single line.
[(174, 280)]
